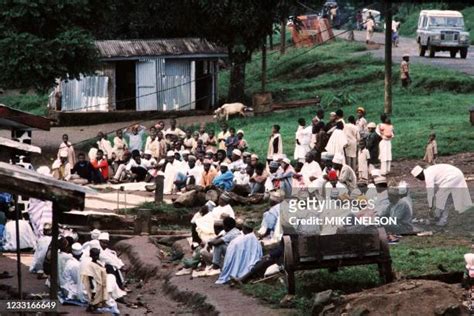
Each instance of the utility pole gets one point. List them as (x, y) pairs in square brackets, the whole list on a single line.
[(264, 67), (388, 57), (283, 36)]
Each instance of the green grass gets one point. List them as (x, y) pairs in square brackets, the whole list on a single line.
[(438, 99), (412, 257), (35, 104), (408, 14)]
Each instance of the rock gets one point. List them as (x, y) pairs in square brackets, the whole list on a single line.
[(321, 299), (451, 310), (360, 312), (181, 247)]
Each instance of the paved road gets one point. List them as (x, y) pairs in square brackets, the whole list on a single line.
[(409, 46)]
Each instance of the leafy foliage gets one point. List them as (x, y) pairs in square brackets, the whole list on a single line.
[(41, 40)]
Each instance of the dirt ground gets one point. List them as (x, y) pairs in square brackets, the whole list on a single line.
[(419, 297)]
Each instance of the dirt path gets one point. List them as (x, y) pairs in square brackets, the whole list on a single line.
[(409, 46)]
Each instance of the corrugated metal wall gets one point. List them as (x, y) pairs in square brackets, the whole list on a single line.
[(176, 85), (87, 94), (146, 85)]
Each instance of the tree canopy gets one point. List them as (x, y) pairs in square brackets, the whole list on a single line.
[(41, 40)]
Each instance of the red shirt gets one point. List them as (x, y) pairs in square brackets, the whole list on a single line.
[(102, 166)]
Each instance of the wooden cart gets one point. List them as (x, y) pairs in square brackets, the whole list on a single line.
[(333, 251)]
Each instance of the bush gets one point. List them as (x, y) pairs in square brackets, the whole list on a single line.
[(35, 104)]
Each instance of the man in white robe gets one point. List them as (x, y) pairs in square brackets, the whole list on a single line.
[(338, 141), (311, 170), (171, 169), (27, 237), (72, 286), (442, 181), (113, 265), (353, 136), (303, 140), (94, 236), (41, 249)]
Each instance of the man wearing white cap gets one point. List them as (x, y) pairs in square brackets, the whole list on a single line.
[(285, 176), (94, 236), (270, 217), (381, 195), (441, 181), (346, 175), (271, 183), (67, 146), (225, 179), (72, 286), (171, 169), (192, 175), (242, 143), (61, 168), (113, 264), (237, 163)]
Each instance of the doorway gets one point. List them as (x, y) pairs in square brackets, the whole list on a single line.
[(125, 85), (203, 85)]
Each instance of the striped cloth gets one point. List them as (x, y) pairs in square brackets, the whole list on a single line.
[(40, 212)]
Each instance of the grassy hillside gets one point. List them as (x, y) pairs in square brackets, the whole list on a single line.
[(408, 15), (35, 104), (437, 100)]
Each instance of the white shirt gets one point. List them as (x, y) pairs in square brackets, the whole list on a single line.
[(27, 237), (219, 210), (143, 163)]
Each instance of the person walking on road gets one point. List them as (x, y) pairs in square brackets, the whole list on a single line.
[(405, 71)]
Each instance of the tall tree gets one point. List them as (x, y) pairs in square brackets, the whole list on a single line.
[(41, 40)]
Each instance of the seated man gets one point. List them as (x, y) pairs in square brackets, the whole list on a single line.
[(224, 180), (242, 181), (208, 174), (191, 176), (83, 171), (241, 255), (94, 281), (111, 261), (101, 167), (272, 183), (237, 161), (270, 217), (258, 179), (72, 286), (399, 210), (61, 168), (138, 167), (41, 249), (27, 237), (219, 245)]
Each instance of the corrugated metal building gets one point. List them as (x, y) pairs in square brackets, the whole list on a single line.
[(148, 75)]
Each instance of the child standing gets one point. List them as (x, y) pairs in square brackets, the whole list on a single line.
[(363, 161), (431, 152)]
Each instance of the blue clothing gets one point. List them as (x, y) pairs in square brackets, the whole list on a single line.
[(286, 181), (242, 254), (270, 217), (135, 142), (230, 143), (220, 250), (224, 181)]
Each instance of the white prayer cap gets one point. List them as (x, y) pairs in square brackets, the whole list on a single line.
[(170, 153), (104, 236), (254, 156), (277, 196), (416, 171), (371, 125), (246, 154), (406, 55), (338, 158), (237, 152), (224, 164), (326, 156), (44, 170), (95, 234), (210, 151), (191, 157), (380, 180), (332, 114), (76, 248), (63, 153), (402, 188), (147, 152), (287, 161), (240, 132), (376, 173), (185, 152), (94, 244)]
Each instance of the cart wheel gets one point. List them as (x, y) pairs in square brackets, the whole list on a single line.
[(288, 259)]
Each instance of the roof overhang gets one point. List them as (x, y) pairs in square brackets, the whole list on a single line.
[(189, 56), (14, 145), (18, 180), (18, 120)]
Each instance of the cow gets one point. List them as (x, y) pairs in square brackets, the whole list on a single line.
[(230, 109)]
